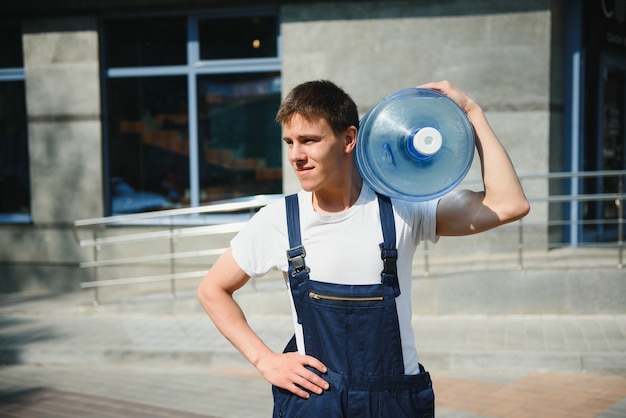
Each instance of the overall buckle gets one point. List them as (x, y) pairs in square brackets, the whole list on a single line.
[(295, 256), (389, 257)]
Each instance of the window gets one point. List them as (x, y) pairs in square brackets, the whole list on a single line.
[(14, 163), (190, 105), (605, 148), (602, 116), (148, 142)]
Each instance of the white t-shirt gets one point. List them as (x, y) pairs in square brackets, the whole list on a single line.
[(341, 248)]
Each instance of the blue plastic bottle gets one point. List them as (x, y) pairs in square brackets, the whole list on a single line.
[(415, 144)]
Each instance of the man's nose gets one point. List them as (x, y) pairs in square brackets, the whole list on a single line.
[(296, 152)]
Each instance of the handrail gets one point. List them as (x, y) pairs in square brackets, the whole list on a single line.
[(147, 258), (172, 233), (144, 279), (562, 175), (234, 206), (177, 224)]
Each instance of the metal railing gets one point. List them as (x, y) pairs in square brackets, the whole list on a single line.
[(172, 226), (516, 244), (520, 247)]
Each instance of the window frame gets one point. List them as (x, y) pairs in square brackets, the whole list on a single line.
[(192, 69)]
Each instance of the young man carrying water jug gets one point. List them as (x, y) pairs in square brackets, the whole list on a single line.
[(353, 353)]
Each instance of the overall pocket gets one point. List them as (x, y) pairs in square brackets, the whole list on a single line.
[(288, 405), (353, 330)]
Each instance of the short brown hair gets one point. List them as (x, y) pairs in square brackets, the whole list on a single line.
[(321, 98)]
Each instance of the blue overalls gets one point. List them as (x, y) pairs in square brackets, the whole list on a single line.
[(354, 331)]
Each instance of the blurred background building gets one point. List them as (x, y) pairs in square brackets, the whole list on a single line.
[(112, 107)]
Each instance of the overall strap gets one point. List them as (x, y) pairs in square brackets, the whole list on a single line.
[(293, 220), (388, 250), (298, 272)]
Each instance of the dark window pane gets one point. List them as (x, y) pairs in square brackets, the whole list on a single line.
[(14, 173), (148, 143), (607, 152), (239, 142), (146, 42), (11, 47), (238, 37)]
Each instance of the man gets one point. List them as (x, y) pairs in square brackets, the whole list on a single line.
[(354, 352)]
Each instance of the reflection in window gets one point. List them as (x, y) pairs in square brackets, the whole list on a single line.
[(239, 149), (148, 143)]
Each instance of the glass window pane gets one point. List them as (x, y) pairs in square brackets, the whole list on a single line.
[(14, 171), (146, 42), (148, 143), (606, 150), (614, 116), (239, 142), (238, 37), (11, 47), (614, 137)]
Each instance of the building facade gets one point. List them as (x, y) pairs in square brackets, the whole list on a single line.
[(111, 107)]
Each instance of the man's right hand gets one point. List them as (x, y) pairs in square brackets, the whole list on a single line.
[(289, 371)]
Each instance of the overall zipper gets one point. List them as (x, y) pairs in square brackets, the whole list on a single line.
[(318, 296)]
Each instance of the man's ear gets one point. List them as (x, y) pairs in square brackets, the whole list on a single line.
[(349, 136)]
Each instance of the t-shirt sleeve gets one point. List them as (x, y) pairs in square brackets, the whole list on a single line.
[(429, 223), (261, 245), (421, 217)]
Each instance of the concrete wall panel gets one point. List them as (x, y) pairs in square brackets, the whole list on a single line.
[(66, 171), (61, 65), (501, 59)]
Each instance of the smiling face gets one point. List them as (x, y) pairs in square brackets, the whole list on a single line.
[(321, 160)]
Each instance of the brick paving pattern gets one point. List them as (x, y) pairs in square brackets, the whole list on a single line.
[(62, 358), (546, 395), (63, 404), (227, 392)]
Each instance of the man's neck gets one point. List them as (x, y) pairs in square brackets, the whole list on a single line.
[(338, 200)]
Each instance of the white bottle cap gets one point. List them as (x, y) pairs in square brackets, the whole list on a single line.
[(427, 141)]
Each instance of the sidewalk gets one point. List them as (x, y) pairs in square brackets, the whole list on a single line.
[(60, 352)]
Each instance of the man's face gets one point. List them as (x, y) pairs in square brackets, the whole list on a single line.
[(315, 153)]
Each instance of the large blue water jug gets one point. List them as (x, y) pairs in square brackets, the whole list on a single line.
[(415, 144)]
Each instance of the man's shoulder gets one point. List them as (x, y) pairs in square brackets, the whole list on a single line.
[(414, 206), (273, 207)]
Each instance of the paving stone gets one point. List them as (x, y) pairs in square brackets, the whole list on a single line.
[(59, 360)]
